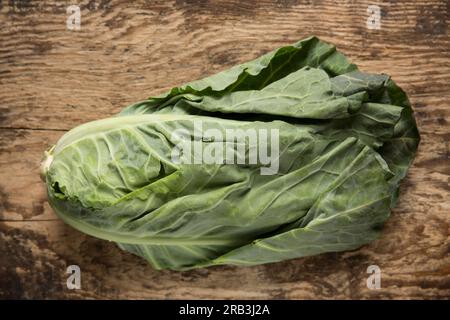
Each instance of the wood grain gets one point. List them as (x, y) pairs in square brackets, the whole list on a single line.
[(52, 79)]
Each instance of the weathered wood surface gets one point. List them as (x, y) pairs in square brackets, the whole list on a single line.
[(52, 79)]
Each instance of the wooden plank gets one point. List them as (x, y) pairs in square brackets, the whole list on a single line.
[(412, 252), (55, 78), (414, 264), (52, 79)]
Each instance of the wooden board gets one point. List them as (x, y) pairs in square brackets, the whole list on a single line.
[(52, 79)]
